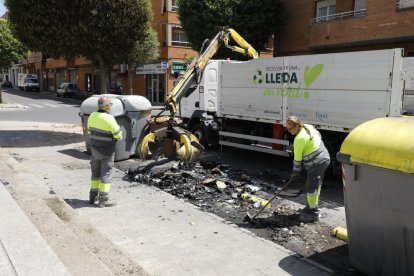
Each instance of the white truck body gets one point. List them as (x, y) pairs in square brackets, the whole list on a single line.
[(334, 92), (408, 68), (28, 82)]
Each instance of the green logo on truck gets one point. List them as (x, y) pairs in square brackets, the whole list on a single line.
[(287, 76), (258, 78), (311, 74)]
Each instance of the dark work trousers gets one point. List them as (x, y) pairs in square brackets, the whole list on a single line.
[(101, 166), (315, 172)]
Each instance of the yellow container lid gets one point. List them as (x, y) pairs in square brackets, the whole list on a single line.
[(384, 142)]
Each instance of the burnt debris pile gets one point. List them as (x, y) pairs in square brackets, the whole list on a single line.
[(207, 183)]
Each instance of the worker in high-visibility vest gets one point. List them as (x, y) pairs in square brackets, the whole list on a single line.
[(310, 153), (103, 131)]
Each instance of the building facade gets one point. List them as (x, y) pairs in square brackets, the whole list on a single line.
[(324, 26)]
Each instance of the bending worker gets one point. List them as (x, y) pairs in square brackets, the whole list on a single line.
[(104, 131), (309, 152)]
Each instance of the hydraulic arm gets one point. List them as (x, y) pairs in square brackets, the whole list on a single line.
[(165, 134)]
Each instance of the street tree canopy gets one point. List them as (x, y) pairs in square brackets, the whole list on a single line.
[(255, 20), (146, 50), (104, 31), (11, 50)]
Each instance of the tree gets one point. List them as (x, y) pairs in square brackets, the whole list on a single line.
[(255, 20), (11, 50), (146, 50), (103, 31)]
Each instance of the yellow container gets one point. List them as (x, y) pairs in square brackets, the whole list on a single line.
[(252, 198), (340, 233)]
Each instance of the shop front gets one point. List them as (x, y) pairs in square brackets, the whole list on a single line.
[(155, 81)]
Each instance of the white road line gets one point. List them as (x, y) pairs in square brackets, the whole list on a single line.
[(36, 105), (51, 105)]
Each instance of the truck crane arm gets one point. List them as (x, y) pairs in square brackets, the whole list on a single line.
[(170, 134)]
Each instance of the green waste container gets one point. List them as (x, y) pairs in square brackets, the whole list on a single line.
[(378, 179), (130, 111)]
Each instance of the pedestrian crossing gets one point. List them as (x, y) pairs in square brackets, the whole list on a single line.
[(48, 105)]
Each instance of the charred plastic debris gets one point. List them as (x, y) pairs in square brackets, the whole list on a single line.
[(230, 193), (212, 186)]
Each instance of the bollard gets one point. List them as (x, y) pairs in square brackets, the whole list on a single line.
[(340, 233)]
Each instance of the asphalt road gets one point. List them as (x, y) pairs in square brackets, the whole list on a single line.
[(40, 107)]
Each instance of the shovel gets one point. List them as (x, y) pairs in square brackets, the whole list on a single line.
[(250, 218)]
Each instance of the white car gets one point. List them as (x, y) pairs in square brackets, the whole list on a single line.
[(67, 89)]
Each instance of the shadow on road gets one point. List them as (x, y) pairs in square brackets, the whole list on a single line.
[(76, 154), (290, 265), (46, 95), (335, 258), (36, 138), (78, 203)]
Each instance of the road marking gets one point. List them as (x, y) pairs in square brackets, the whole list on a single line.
[(36, 105), (51, 105)]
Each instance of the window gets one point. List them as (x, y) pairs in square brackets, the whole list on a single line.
[(174, 5), (325, 10), (402, 4), (360, 5), (168, 6), (179, 38)]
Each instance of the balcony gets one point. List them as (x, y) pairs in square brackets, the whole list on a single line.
[(405, 4), (339, 16), (185, 44)]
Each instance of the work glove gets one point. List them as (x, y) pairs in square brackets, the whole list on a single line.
[(295, 176)]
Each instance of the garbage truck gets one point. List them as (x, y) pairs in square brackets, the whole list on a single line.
[(245, 104)]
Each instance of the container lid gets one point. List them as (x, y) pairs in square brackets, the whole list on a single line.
[(121, 104), (384, 142)]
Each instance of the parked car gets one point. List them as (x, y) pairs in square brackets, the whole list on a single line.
[(67, 89), (6, 84), (116, 89)]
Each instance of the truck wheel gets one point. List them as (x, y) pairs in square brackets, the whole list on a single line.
[(200, 133)]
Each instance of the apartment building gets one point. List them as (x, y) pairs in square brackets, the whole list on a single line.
[(324, 26)]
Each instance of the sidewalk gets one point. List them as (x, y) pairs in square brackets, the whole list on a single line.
[(22, 250), (159, 232)]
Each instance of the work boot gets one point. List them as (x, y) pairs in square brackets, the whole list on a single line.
[(309, 215), (104, 201), (93, 197), (306, 209)]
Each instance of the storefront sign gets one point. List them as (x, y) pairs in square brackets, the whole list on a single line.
[(155, 68), (178, 66)]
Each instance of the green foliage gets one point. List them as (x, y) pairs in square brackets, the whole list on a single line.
[(254, 20), (147, 49), (104, 31), (11, 50)]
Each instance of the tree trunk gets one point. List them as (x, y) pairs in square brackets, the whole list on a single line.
[(130, 66), (104, 74)]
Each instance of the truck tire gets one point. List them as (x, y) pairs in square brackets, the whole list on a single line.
[(200, 133)]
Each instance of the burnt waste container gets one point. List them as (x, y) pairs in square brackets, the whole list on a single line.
[(130, 111), (378, 179)]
